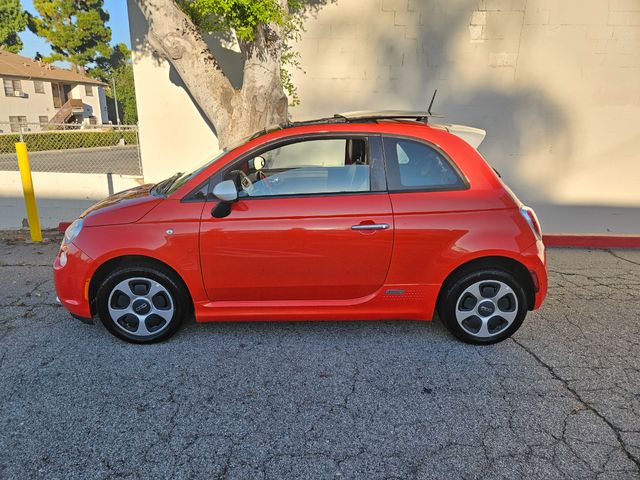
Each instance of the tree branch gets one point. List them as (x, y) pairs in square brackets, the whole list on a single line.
[(234, 113), (174, 36)]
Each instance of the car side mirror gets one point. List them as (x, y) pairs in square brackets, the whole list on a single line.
[(227, 193)]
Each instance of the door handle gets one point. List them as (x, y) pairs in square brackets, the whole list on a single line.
[(371, 226)]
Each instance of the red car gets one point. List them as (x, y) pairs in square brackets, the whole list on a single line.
[(363, 216)]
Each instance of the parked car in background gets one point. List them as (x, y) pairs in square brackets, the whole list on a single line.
[(361, 216)]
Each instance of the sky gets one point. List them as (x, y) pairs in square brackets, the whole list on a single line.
[(118, 21)]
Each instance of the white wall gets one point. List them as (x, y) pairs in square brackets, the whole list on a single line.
[(59, 196), (556, 84), (35, 105), (32, 106), (93, 104), (174, 135)]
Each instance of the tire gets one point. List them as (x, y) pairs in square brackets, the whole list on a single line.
[(142, 304), (483, 307)]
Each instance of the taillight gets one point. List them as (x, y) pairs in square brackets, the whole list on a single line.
[(530, 216)]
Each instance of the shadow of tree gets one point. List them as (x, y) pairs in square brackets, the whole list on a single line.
[(411, 59), (417, 53)]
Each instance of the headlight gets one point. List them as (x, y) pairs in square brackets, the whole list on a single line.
[(72, 231), (63, 258)]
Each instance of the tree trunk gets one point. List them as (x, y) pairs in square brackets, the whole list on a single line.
[(234, 113)]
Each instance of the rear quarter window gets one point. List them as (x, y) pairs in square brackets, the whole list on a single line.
[(416, 166)]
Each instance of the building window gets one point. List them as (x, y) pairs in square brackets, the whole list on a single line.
[(38, 86), (12, 86), (93, 120), (88, 90), (44, 120), (16, 122)]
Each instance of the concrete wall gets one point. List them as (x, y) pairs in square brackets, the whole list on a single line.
[(60, 196), (556, 84)]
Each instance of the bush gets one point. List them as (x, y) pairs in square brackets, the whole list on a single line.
[(41, 141)]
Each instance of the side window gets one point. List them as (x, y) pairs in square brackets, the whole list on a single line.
[(413, 165), (305, 167)]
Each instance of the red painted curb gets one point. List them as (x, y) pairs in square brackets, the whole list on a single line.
[(62, 226), (578, 240)]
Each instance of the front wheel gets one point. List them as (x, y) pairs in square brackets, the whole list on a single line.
[(141, 304), (483, 307)]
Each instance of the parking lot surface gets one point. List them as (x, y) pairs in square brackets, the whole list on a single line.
[(365, 400)]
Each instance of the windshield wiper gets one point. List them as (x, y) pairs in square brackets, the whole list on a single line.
[(162, 187)]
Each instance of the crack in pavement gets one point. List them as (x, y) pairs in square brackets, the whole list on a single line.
[(349, 399), (623, 258), (579, 398)]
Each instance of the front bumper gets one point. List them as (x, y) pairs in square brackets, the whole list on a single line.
[(72, 281)]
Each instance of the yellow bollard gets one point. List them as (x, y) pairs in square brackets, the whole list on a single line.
[(27, 188)]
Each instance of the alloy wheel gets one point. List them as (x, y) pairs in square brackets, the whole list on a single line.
[(141, 306), (486, 308)]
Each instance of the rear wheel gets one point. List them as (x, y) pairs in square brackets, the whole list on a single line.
[(483, 307), (141, 304)]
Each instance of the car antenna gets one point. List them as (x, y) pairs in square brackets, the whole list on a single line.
[(426, 120)]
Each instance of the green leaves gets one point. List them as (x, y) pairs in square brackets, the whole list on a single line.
[(13, 20), (125, 92), (241, 16), (76, 29), (117, 67)]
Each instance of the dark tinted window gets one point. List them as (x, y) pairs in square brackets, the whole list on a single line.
[(413, 165)]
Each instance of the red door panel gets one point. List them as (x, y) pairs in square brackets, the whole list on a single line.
[(297, 248)]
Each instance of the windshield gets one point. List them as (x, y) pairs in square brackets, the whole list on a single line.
[(178, 180), (171, 184)]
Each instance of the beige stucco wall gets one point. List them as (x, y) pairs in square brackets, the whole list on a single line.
[(556, 84)]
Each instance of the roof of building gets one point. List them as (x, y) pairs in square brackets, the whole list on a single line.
[(15, 65)]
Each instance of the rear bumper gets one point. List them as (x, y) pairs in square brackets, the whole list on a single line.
[(536, 263), (72, 281)]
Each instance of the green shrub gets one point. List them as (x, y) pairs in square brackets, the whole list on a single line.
[(37, 142)]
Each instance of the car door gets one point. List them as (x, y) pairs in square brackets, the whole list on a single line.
[(313, 222)]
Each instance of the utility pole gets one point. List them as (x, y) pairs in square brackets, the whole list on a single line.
[(115, 99)]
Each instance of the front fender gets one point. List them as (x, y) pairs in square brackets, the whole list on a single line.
[(178, 249)]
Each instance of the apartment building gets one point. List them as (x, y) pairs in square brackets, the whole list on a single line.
[(34, 92)]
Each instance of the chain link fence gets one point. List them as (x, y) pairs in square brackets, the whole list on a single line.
[(72, 148)]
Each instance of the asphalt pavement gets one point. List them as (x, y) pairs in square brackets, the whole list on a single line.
[(362, 400), (123, 160)]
